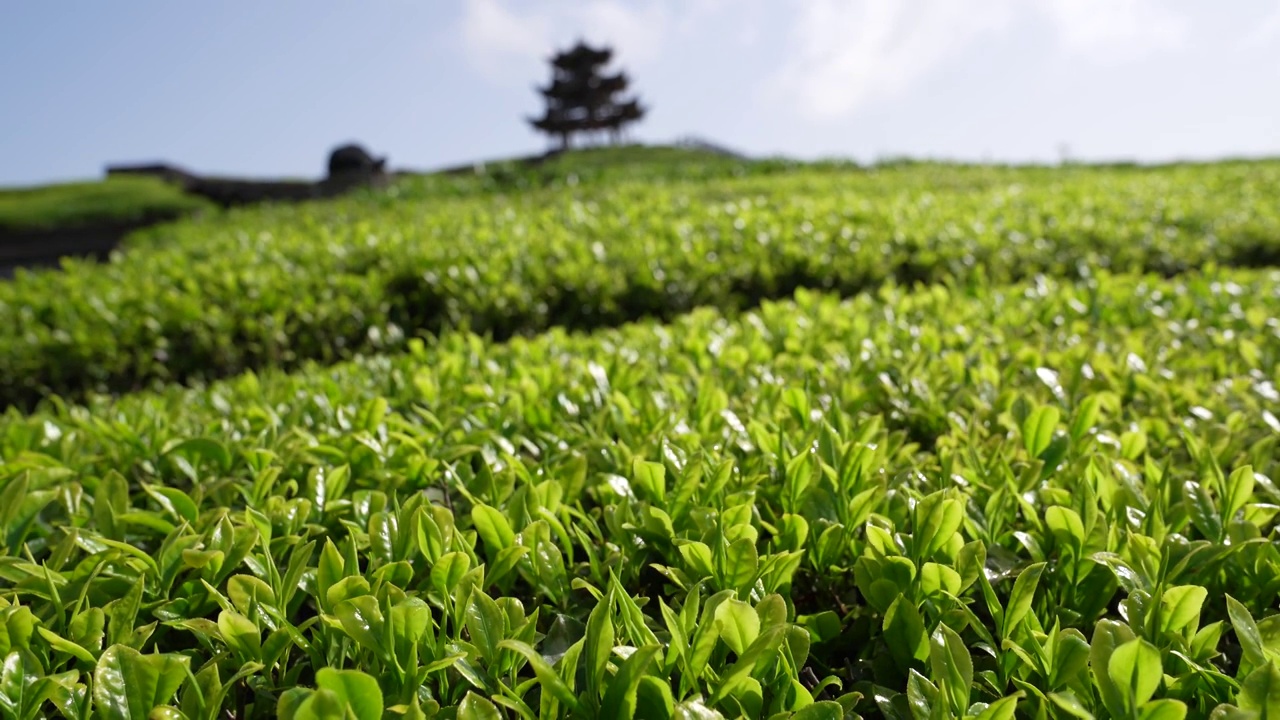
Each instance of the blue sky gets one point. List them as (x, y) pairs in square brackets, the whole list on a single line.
[(266, 88)]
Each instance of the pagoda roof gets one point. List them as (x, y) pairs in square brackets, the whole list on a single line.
[(582, 55), (567, 87)]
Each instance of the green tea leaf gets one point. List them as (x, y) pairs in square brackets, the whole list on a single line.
[(1251, 643), (904, 632), (448, 571), (1108, 635), (1086, 417), (362, 620), (485, 624), (240, 634), (1238, 491), (1134, 667), (1260, 691), (922, 697), (740, 565), (620, 698), (1037, 431), (824, 710), (1066, 525), (1024, 590), (1181, 607), (654, 699), (494, 529), (650, 478), (359, 693), (128, 685), (950, 662), (202, 449), (1003, 709), (596, 651), (547, 676), (738, 624), (1164, 710)]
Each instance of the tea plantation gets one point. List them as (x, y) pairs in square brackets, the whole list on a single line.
[(750, 441), (75, 205)]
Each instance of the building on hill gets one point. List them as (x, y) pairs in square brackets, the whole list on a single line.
[(354, 161)]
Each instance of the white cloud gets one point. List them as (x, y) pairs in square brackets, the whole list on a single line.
[(501, 37), (839, 56), (844, 55), (493, 34), (1266, 32), (847, 54), (1125, 28), (639, 33)]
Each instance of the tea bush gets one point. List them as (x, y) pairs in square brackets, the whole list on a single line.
[(277, 287), (119, 200), (1043, 500)]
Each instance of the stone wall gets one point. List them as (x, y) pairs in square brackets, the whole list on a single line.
[(232, 192)]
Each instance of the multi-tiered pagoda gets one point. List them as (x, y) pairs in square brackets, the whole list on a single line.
[(582, 99)]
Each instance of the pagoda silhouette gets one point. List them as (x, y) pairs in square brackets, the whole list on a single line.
[(581, 98)]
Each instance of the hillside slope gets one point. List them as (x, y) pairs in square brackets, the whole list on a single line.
[(280, 285)]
